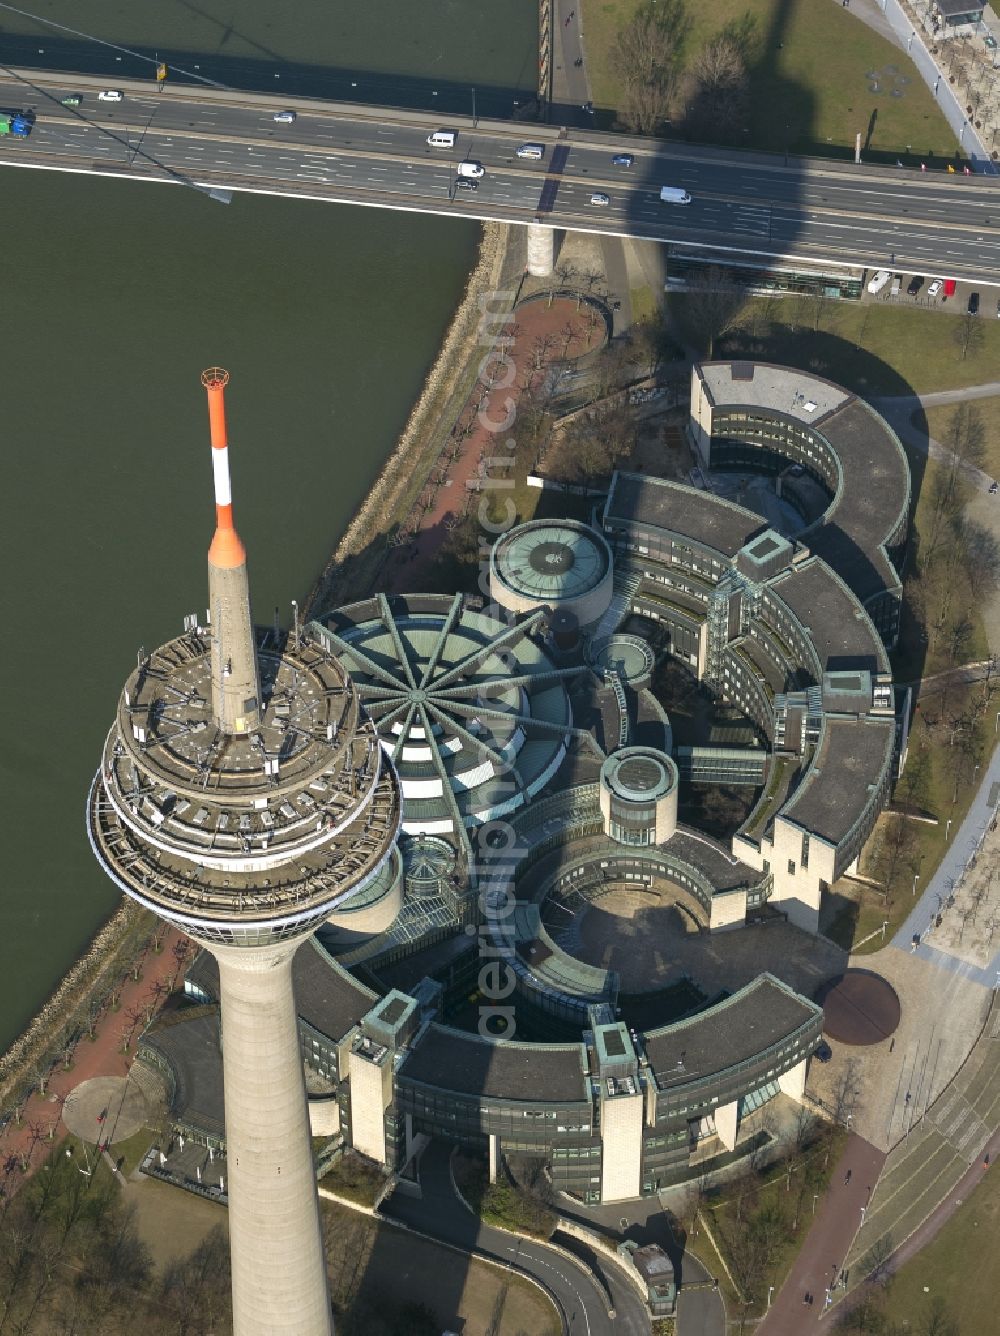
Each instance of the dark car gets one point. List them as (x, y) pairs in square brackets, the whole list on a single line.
[(915, 284), (463, 183), (623, 160), (973, 307)]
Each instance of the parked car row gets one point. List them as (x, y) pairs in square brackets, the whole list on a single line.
[(938, 287)]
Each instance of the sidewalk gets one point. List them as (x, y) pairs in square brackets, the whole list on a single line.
[(41, 1125), (937, 1153), (889, 19), (821, 1258)]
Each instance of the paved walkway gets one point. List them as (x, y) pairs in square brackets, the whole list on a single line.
[(570, 82), (919, 1189), (889, 20), (964, 847), (25, 1144), (821, 1258), (987, 390)]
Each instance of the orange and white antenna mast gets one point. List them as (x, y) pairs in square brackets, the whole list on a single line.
[(235, 678)]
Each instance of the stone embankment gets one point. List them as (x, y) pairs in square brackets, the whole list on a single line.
[(352, 570), (72, 1008)]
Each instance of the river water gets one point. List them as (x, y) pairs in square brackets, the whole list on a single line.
[(113, 297)]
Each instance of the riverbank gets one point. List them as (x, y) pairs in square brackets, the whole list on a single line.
[(89, 987), (353, 570)]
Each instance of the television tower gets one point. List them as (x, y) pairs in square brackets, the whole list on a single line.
[(242, 796)]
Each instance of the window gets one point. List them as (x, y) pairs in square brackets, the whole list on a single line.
[(791, 867)]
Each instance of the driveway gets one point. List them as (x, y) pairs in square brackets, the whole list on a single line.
[(442, 1214)]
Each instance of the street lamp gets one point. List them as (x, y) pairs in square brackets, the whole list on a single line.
[(864, 1212), (770, 1291), (916, 878), (947, 827), (474, 120), (815, 1198), (848, 1119)]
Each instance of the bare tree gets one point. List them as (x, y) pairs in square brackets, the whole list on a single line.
[(714, 307), (968, 335), (847, 1090), (721, 98), (646, 59)]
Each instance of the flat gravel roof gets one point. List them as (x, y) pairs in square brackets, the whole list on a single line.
[(757, 1017), (702, 516), (841, 632), (468, 1065), (835, 791)]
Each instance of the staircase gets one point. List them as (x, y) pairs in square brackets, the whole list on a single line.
[(625, 584)]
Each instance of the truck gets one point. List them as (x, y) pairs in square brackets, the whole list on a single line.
[(15, 123), (473, 170), (674, 195)]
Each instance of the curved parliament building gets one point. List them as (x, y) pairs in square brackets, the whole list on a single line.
[(523, 744)]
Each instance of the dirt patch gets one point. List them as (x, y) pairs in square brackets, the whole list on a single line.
[(172, 1223)]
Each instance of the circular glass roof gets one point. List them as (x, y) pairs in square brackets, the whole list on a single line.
[(552, 560)]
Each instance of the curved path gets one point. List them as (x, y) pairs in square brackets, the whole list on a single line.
[(442, 1214)]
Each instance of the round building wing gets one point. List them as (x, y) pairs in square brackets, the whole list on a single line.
[(559, 564), (639, 796)]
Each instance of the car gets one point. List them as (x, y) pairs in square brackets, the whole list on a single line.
[(599, 197), (623, 160), (935, 288), (991, 42), (914, 285), (994, 487), (284, 117), (71, 100), (471, 169), (998, 310), (878, 280), (588, 107), (973, 307), (110, 95), (463, 183), (897, 283)]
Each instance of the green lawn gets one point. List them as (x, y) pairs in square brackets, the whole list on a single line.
[(870, 348), (958, 1268), (809, 87), (989, 409)]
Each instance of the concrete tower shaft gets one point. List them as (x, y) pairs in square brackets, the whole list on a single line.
[(245, 817), (275, 1238), (235, 673)]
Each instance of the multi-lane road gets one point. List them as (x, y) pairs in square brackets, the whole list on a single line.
[(821, 211)]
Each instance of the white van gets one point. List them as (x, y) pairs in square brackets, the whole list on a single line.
[(471, 169), (674, 195), (442, 139), (880, 279), (534, 151)]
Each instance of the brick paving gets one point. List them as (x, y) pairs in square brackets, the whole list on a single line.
[(823, 1255), (453, 486), (936, 1155), (25, 1143)]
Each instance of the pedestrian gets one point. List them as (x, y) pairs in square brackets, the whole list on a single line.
[(847, 1176)]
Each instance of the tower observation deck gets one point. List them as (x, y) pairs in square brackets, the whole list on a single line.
[(243, 796)]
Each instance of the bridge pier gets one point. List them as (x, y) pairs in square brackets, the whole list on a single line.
[(541, 250)]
